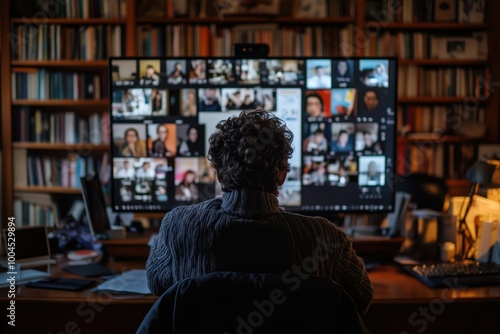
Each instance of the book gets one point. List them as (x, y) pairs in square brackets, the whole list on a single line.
[(445, 10), (495, 254), (486, 240)]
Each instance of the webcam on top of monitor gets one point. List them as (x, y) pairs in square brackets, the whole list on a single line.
[(251, 50)]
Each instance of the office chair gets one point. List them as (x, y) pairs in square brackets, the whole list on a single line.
[(427, 191), (230, 302)]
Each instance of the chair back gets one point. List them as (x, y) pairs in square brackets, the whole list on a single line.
[(231, 302)]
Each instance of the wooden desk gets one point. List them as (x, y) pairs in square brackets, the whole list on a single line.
[(399, 306), (402, 304), (133, 246)]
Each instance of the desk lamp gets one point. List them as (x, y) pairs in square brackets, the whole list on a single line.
[(480, 173)]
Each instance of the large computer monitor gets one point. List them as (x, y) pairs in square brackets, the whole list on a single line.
[(341, 110)]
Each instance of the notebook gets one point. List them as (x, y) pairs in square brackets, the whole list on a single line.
[(72, 284), (89, 270)]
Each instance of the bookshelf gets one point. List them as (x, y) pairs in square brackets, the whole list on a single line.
[(203, 33), (442, 91), (65, 132)]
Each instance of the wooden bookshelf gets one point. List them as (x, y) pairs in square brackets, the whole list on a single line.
[(436, 100), (434, 26), (85, 147), (49, 190), (130, 23), (229, 20), (81, 65), (443, 62), (7, 170), (63, 103), (68, 21), (435, 139)]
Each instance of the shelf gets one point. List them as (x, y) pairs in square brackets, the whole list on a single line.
[(63, 103), (230, 20), (438, 139), (454, 26), (436, 100), (75, 65), (444, 62), (457, 182), (86, 147), (68, 21), (50, 190), (457, 187)]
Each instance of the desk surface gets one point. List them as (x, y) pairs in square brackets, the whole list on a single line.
[(390, 286), (396, 297)]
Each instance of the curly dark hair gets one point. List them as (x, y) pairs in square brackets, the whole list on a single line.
[(251, 151)]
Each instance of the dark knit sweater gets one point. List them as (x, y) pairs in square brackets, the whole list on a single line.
[(246, 231)]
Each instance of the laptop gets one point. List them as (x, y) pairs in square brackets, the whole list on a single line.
[(30, 247)]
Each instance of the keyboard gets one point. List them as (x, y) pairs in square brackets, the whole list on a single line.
[(456, 274)]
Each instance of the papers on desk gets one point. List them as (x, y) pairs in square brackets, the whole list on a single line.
[(130, 282)]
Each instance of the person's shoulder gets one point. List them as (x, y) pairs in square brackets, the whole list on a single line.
[(202, 208)]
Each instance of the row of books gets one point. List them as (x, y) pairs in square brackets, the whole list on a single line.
[(210, 40), (445, 160), (35, 209), (56, 42), (55, 171), (416, 81), (436, 119), (71, 9), (222, 8), (59, 127), (409, 11), (42, 84), (418, 45)]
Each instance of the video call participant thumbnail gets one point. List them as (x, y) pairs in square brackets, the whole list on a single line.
[(197, 71), (319, 74), (186, 190), (191, 143), (150, 72), (209, 100), (130, 145), (158, 103), (188, 102), (162, 140), (343, 101), (374, 72), (317, 103), (176, 72), (220, 71), (343, 73), (371, 171), (342, 142)]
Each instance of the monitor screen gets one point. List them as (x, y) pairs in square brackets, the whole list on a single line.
[(341, 110), (32, 243), (95, 205)]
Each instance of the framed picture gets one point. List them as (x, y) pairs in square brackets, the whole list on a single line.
[(445, 10), (473, 46), (246, 7), (471, 11), (151, 8), (488, 152), (311, 8)]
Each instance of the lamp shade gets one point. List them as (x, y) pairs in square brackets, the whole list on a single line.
[(482, 172)]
